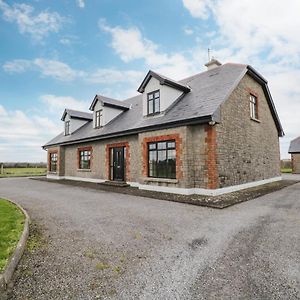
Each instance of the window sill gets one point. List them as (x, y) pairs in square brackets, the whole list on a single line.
[(164, 180), (255, 120), (156, 115), (83, 170)]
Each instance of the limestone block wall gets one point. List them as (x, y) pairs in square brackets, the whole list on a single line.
[(247, 149)]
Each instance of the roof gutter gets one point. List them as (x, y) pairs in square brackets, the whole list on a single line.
[(194, 121)]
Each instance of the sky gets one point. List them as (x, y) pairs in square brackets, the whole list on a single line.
[(59, 54)]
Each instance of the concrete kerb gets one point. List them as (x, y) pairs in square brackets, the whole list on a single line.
[(6, 276)]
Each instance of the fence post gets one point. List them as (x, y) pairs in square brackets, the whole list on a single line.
[(2, 171)]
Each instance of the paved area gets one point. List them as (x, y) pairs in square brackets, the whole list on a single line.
[(102, 245), (288, 176)]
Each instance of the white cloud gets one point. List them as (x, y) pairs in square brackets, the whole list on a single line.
[(47, 67), (263, 34), (18, 142), (56, 69), (37, 25), (188, 31), (197, 8), (17, 66), (80, 3), (263, 26), (112, 76), (61, 71), (175, 64), (65, 41), (57, 104)]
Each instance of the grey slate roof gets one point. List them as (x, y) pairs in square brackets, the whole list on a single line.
[(109, 102), (295, 145), (208, 90), (77, 114)]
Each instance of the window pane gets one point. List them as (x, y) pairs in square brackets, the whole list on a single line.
[(150, 107), (152, 146), (171, 144), (150, 96), (156, 105), (152, 163), (156, 95), (171, 154), (172, 168), (111, 156), (162, 163), (162, 145)]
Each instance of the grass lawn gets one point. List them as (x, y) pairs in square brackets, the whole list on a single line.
[(286, 170), (20, 172), (11, 228)]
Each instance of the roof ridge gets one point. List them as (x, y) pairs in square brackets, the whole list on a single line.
[(86, 112), (200, 73)]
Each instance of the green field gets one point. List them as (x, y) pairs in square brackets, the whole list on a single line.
[(286, 170), (20, 172), (11, 228)]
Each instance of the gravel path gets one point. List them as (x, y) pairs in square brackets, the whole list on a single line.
[(90, 244)]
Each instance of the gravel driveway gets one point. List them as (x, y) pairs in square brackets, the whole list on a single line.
[(102, 245)]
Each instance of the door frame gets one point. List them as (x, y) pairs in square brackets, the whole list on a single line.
[(113, 163)]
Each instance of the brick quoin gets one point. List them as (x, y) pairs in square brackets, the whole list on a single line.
[(161, 138), (107, 158), (211, 154)]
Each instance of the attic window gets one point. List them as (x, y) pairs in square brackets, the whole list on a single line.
[(253, 107), (153, 102), (98, 118), (67, 127)]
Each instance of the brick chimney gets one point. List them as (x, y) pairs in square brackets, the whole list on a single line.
[(213, 63)]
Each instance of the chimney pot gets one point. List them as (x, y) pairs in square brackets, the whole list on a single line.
[(213, 63)]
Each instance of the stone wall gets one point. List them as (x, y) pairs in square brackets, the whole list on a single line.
[(296, 163), (247, 150), (190, 156), (99, 162)]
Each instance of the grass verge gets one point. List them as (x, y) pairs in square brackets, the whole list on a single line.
[(286, 170), (23, 172), (11, 228)]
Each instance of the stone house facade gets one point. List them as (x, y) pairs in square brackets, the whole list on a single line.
[(212, 133), (294, 150)]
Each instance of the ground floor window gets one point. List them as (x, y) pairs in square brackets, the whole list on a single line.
[(162, 159), (53, 162), (85, 158)]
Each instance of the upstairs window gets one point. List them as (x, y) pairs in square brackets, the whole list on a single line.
[(98, 119), (53, 162), (85, 159), (67, 127), (153, 102), (253, 107), (162, 159)]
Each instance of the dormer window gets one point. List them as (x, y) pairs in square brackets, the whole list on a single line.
[(153, 102), (98, 118), (67, 127)]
